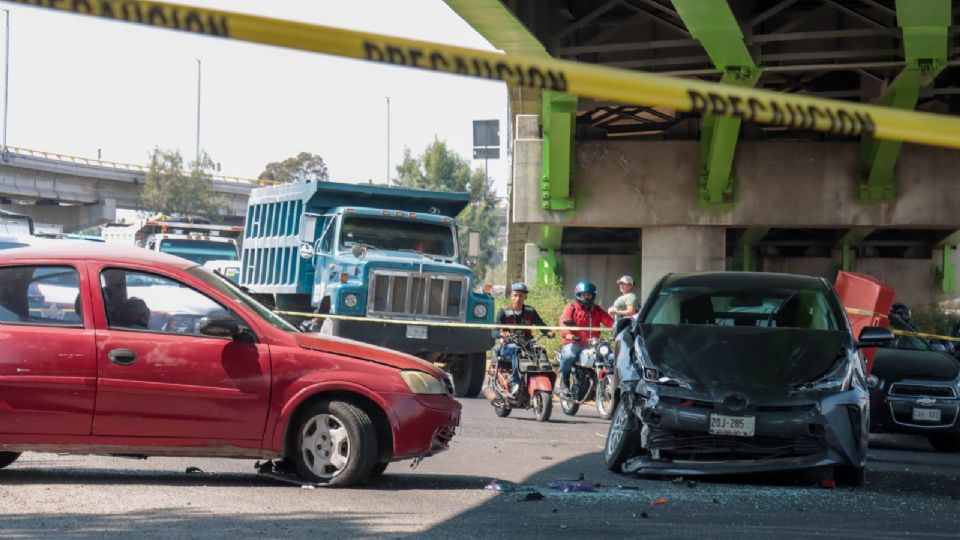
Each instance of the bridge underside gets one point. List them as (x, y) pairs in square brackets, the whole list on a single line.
[(651, 190), (80, 195)]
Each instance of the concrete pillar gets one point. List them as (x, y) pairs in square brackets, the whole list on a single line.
[(531, 256), (680, 249)]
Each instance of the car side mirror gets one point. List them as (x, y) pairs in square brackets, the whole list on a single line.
[(358, 250), (874, 336), (220, 326)]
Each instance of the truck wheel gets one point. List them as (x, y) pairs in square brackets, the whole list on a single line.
[(335, 443), (7, 458), (468, 372)]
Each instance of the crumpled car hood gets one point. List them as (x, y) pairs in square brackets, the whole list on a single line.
[(720, 359), (364, 351)]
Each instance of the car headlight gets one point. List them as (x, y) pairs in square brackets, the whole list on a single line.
[(604, 351), (350, 300), (480, 311), (422, 383), (835, 380)]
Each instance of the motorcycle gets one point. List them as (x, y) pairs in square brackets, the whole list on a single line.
[(536, 380), (592, 378)]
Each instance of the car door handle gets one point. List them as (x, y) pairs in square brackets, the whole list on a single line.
[(122, 357)]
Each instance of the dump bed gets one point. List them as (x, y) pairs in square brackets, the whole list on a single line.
[(271, 262), (321, 197)]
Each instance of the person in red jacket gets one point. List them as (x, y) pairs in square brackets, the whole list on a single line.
[(583, 314)]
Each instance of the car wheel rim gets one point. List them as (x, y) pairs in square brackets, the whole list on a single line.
[(325, 445), (617, 428)]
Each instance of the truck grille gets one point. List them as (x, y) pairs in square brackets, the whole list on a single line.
[(417, 296)]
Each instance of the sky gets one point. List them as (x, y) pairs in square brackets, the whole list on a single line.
[(79, 84)]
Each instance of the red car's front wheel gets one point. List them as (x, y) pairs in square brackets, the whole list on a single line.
[(336, 444)]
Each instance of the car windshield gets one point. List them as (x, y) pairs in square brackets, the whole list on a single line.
[(199, 251), (234, 292), (807, 307), (398, 234)]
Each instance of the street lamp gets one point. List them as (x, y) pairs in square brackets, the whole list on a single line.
[(388, 139), (6, 79), (198, 113)]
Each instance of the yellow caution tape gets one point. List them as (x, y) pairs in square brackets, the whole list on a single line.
[(857, 311), (445, 324), (589, 80), (924, 336)]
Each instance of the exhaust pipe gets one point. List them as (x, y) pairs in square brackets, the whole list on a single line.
[(489, 393)]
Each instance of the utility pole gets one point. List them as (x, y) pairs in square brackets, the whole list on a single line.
[(6, 80), (198, 113), (388, 139)]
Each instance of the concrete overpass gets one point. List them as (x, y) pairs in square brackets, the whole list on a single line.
[(601, 189), (79, 192)]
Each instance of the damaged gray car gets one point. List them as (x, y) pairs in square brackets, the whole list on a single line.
[(735, 373)]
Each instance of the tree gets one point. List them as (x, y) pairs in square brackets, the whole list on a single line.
[(305, 167), (441, 169), (171, 190)]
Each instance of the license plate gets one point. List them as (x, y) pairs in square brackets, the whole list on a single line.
[(416, 332), (926, 415), (741, 426)]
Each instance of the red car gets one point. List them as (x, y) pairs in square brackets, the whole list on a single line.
[(137, 352)]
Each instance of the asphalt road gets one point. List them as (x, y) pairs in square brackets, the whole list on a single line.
[(911, 491)]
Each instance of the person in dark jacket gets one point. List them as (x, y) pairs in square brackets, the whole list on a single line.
[(517, 313)]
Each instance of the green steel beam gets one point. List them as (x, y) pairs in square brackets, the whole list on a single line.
[(924, 24), (559, 126), (713, 24), (549, 269), (846, 243), (745, 254), (949, 269)]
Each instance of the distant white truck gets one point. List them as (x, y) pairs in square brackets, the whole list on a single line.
[(214, 246)]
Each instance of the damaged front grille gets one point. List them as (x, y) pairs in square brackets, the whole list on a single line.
[(442, 438), (694, 446)]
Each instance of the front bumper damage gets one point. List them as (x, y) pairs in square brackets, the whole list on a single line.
[(797, 431)]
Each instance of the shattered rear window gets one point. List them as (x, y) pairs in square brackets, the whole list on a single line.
[(808, 308)]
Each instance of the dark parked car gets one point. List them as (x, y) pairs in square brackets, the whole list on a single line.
[(731, 373), (914, 389)]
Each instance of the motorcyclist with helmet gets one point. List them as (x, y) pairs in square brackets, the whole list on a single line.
[(517, 313), (901, 311), (582, 313)]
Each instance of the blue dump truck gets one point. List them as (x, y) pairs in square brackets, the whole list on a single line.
[(376, 252)]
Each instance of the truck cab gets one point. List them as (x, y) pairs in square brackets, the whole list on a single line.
[(212, 246), (387, 254)]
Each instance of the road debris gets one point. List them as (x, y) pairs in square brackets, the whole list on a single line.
[(194, 470), (532, 496), (659, 501)]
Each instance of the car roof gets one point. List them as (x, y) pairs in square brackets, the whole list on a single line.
[(72, 250), (735, 280)]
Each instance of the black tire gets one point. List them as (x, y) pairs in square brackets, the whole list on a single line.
[(361, 448), (502, 411), (945, 443), (542, 405), (606, 396), (378, 470), (569, 407), (622, 437), (6, 458), (849, 475), (468, 372)]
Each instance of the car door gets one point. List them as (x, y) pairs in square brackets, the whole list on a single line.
[(48, 363), (159, 376)]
